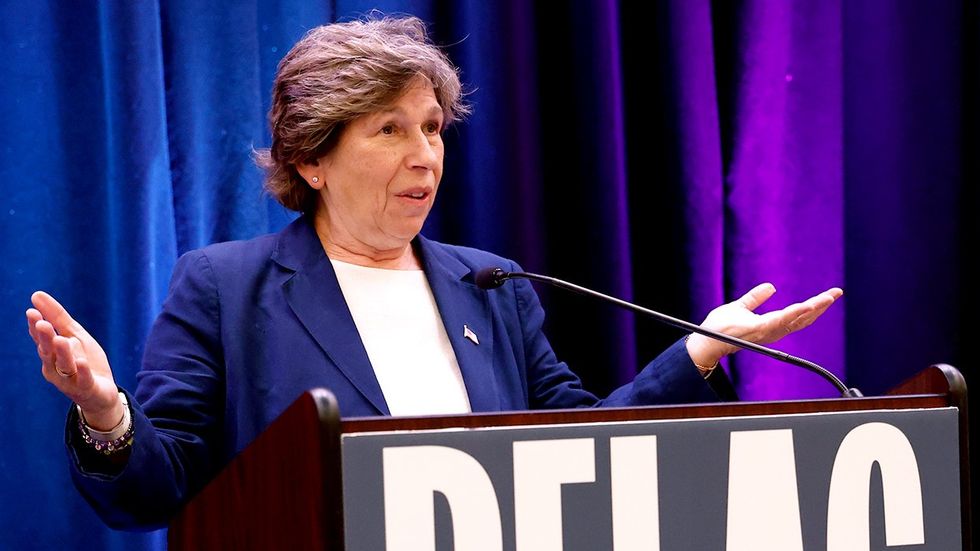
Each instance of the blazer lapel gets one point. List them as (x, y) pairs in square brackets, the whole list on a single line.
[(465, 312), (314, 295)]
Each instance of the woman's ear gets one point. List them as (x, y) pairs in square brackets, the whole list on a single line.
[(311, 172)]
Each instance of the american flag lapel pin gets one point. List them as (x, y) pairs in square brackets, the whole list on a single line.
[(469, 334)]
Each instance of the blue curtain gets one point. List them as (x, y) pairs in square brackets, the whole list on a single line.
[(687, 149)]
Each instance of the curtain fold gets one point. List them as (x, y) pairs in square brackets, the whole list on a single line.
[(904, 117), (784, 183), (214, 57), (676, 153)]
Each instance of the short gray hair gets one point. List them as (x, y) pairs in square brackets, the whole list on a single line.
[(333, 75)]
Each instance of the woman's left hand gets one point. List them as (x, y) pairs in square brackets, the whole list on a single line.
[(738, 319)]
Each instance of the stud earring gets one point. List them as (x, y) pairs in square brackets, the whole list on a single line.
[(316, 179)]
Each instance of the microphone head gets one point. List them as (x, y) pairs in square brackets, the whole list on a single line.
[(490, 278)]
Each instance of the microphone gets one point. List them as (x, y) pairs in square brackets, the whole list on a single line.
[(492, 278)]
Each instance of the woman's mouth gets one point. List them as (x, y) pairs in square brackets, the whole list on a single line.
[(415, 194)]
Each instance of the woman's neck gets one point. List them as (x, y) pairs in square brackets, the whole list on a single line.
[(346, 248)]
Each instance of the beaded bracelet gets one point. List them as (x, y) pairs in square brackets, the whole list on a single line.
[(108, 442)]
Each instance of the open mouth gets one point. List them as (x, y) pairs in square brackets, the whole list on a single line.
[(416, 195)]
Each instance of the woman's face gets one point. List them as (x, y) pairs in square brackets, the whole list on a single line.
[(380, 179)]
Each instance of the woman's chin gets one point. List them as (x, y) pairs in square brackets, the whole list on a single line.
[(398, 237), (406, 229)]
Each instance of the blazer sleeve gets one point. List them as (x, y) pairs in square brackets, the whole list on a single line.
[(671, 378), (176, 411)]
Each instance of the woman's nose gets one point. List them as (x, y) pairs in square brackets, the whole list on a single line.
[(425, 150)]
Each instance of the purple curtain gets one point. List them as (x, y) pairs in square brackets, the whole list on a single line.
[(784, 179), (808, 144), (734, 169)]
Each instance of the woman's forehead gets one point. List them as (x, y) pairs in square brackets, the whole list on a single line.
[(414, 97)]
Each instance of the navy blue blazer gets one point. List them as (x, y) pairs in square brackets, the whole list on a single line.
[(250, 325)]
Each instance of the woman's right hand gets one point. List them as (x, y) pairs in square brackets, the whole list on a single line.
[(73, 362)]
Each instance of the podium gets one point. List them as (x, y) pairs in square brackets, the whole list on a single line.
[(854, 473)]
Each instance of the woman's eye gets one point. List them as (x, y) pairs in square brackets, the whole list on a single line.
[(432, 128), (388, 129)]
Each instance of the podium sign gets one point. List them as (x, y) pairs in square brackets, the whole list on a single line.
[(841, 480)]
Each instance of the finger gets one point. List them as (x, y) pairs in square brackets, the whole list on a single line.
[(782, 322), (67, 357), (45, 336), (33, 316), (83, 374), (825, 299), (80, 354), (819, 303), (788, 314), (45, 350), (64, 359), (77, 349), (83, 377), (754, 298), (812, 308), (56, 314)]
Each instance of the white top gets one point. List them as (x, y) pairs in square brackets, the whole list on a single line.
[(399, 323)]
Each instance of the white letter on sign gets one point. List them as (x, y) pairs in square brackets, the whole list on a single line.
[(848, 504), (763, 505), (540, 468), (413, 473), (635, 495)]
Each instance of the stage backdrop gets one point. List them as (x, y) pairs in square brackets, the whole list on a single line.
[(675, 153)]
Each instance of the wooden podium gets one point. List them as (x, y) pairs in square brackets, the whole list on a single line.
[(286, 490)]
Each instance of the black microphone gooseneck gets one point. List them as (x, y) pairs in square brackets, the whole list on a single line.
[(492, 278)]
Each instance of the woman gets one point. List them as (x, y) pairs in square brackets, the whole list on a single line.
[(348, 297)]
